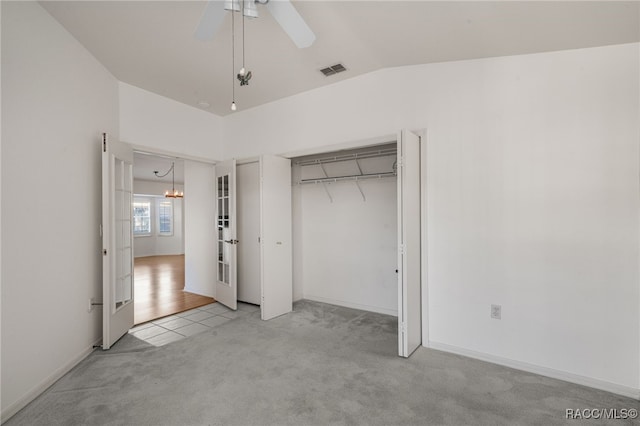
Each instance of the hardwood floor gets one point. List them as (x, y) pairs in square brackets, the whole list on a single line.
[(159, 284)]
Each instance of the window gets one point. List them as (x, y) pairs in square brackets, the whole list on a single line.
[(141, 217), (152, 215), (165, 217)]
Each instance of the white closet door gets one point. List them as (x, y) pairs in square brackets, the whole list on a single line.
[(409, 258), (275, 236), (117, 240), (226, 267)]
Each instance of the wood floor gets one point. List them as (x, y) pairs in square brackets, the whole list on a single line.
[(159, 284)]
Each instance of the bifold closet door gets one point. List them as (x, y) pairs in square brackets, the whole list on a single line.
[(276, 268), (117, 240), (409, 257)]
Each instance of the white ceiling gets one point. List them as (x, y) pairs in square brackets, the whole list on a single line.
[(150, 44), (145, 164)]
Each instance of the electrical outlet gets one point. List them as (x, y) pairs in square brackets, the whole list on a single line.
[(91, 302), (496, 311)]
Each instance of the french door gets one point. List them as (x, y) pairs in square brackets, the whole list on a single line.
[(117, 240), (226, 265)]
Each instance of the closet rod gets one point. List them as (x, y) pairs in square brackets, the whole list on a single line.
[(345, 178), (349, 157)]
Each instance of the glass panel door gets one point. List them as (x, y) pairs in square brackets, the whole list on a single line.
[(117, 240), (224, 231), (226, 279)]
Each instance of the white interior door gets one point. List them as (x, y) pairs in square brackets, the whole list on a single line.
[(409, 259), (117, 240), (276, 268), (226, 271)]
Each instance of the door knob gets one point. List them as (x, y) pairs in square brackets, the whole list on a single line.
[(231, 241)]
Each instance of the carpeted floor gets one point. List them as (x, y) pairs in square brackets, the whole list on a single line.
[(320, 365)]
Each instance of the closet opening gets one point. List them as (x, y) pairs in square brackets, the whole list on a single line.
[(345, 228), (357, 235)]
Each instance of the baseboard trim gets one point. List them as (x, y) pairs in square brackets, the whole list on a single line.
[(11, 410), (198, 292), (352, 305), (537, 369)]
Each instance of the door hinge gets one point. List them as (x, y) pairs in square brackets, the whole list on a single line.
[(403, 327), (104, 252), (401, 248), (100, 230)]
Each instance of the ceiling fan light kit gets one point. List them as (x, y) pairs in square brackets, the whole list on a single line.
[(250, 9), (282, 11), (244, 78), (233, 5)]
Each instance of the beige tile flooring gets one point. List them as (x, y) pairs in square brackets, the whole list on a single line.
[(184, 324)]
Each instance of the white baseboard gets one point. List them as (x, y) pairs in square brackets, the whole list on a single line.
[(199, 292), (352, 305), (537, 369), (32, 394)]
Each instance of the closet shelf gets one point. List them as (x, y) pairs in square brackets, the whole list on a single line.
[(349, 157), (347, 178)]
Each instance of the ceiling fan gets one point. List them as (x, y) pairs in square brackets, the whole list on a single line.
[(282, 10)]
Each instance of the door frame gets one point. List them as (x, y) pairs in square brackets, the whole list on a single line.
[(142, 149)]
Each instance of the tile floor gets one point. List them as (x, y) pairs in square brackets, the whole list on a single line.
[(184, 324)]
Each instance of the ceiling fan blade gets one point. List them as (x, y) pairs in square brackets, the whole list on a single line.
[(211, 20), (291, 22)]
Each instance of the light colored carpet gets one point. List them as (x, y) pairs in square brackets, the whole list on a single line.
[(320, 365)]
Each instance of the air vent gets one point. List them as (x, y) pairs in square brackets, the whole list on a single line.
[(334, 69)]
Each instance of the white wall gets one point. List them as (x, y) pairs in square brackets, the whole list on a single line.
[(154, 244), (56, 100), (151, 120), (199, 228), (532, 197), (533, 205), (349, 253)]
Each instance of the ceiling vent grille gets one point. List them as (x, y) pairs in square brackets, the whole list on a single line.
[(334, 69)]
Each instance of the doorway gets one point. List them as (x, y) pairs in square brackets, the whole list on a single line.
[(357, 223), (345, 223), (158, 233)]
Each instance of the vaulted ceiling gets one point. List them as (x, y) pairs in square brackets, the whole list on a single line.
[(151, 44)]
